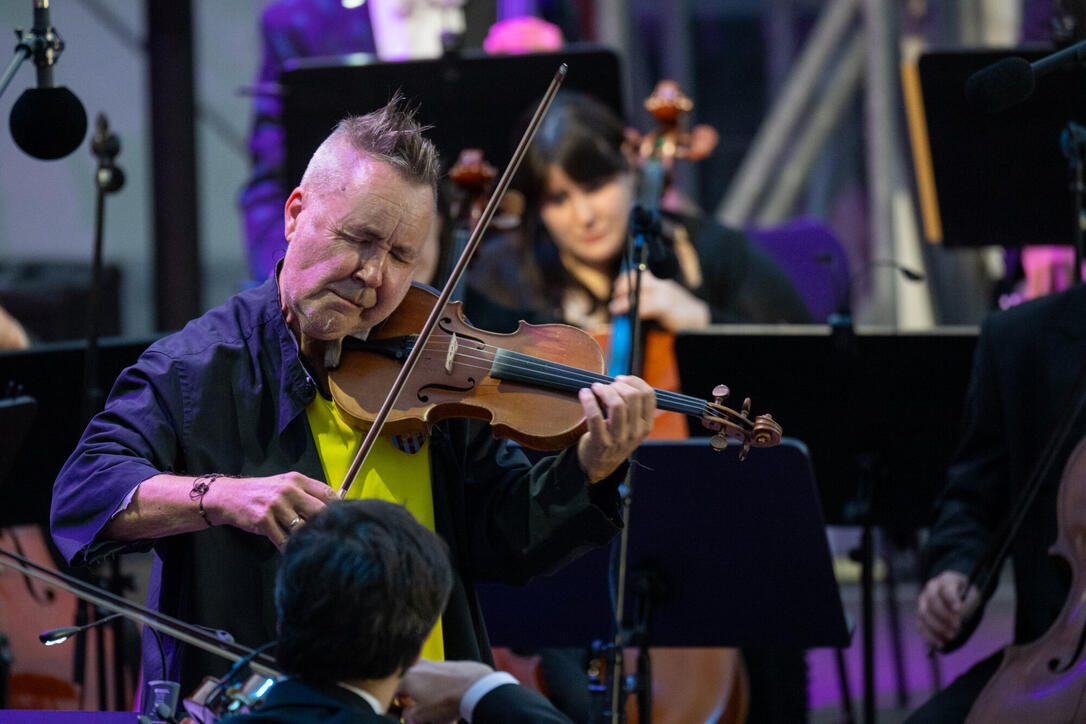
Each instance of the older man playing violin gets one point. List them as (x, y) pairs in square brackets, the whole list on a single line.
[(222, 438)]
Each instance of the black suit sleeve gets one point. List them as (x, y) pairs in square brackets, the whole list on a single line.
[(514, 704), (973, 503)]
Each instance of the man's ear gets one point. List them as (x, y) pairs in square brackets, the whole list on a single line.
[(291, 211)]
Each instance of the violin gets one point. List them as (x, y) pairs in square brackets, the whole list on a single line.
[(1045, 680), (524, 383)]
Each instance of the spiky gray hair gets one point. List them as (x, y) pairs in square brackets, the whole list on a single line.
[(390, 135)]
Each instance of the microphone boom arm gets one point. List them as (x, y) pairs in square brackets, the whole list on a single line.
[(22, 53), (42, 41)]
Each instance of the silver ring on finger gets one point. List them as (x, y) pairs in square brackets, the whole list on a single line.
[(296, 521)]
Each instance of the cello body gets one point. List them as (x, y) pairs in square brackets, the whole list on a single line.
[(1045, 680)]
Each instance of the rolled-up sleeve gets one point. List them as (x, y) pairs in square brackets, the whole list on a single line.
[(136, 437)]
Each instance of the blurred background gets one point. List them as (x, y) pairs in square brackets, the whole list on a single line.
[(734, 58), (823, 134)]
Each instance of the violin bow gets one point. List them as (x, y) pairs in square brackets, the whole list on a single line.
[(452, 281), (178, 629)]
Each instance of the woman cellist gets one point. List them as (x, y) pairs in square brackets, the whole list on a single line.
[(579, 180)]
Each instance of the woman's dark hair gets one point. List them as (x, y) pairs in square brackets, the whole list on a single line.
[(360, 588), (581, 136), (584, 138)]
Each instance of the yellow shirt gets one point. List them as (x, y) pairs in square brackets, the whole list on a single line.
[(389, 473)]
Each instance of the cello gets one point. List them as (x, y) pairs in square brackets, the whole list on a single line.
[(653, 356), (1045, 680)]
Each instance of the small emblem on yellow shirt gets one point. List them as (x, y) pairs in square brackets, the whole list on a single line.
[(409, 444)]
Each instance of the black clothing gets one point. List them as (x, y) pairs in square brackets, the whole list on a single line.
[(740, 282), (1024, 369), (291, 702), (1025, 365)]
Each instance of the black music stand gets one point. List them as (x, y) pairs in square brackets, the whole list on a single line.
[(880, 411), (738, 550), (471, 100), (16, 415), (1000, 178), (46, 373)]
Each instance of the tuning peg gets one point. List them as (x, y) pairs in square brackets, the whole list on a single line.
[(720, 393), (718, 442), (745, 410)]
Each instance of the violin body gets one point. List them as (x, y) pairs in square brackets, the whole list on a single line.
[(533, 416), (1045, 680)]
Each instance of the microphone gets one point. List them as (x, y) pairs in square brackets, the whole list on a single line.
[(1011, 80), (47, 122), (660, 257), (645, 220), (843, 296)]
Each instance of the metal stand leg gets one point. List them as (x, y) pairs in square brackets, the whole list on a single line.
[(867, 584), (848, 715), (894, 616)]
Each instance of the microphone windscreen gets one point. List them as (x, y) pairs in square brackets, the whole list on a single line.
[(1000, 85), (48, 123), (662, 261)]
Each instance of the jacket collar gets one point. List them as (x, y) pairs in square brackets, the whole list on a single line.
[(292, 692), (296, 388)]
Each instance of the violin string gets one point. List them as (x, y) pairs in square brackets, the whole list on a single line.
[(548, 372)]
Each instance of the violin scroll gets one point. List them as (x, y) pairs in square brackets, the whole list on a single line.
[(728, 424)]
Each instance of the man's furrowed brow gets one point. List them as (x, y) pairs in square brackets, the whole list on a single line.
[(359, 230)]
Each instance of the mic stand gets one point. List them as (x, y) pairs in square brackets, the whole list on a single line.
[(1073, 145), (643, 223), (108, 178), (45, 47), (648, 587)]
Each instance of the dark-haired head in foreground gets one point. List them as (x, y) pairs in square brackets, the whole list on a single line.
[(360, 588)]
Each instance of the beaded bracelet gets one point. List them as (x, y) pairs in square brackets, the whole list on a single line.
[(199, 487)]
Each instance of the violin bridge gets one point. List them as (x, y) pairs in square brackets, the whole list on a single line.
[(450, 353)]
